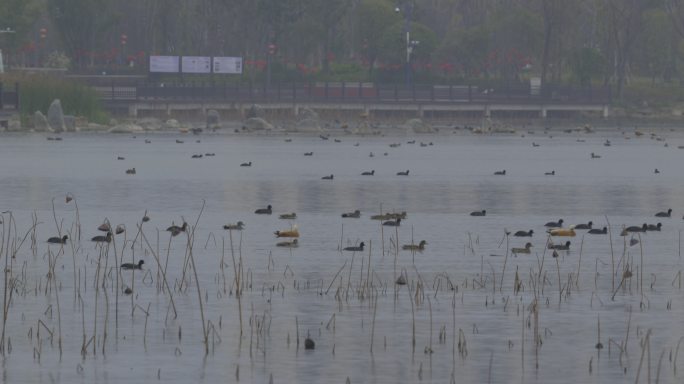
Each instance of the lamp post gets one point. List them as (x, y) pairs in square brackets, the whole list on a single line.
[(6, 30), (123, 40), (407, 10), (271, 51)]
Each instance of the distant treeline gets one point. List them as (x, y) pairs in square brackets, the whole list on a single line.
[(561, 41)]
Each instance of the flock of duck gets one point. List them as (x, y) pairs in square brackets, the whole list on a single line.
[(556, 229)]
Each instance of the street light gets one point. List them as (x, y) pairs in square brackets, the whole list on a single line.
[(6, 30), (407, 10)]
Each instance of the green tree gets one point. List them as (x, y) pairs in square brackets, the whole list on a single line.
[(81, 24), (17, 16), (587, 63), (375, 17)]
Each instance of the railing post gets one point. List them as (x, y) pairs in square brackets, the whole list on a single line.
[(294, 91), (396, 92), (278, 90), (16, 96), (432, 92), (326, 90), (451, 92), (112, 84), (344, 93), (2, 105), (413, 91), (470, 93)]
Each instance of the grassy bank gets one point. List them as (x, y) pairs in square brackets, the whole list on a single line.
[(38, 91)]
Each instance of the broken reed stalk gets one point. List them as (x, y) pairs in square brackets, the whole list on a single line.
[(191, 240), (375, 311), (641, 268), (6, 230), (236, 280), (163, 271), (503, 270), (612, 255), (579, 263)]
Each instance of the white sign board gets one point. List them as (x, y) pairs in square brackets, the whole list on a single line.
[(164, 64), (196, 64), (231, 65)]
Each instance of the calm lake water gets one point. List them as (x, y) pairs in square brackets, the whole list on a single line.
[(464, 280)]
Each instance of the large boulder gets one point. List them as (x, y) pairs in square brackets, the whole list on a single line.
[(257, 124), (70, 123), (254, 111), (55, 116), (172, 124), (363, 128), (14, 124), (417, 126), (149, 123), (308, 113), (308, 125), (213, 119), (40, 123), (126, 128)]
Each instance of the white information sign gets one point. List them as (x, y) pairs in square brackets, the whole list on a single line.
[(164, 64), (196, 64), (230, 65)]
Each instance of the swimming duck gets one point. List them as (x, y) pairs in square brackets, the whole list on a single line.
[(654, 227), (389, 216), (634, 228), (656, 171), (288, 216), (246, 164), (595, 156), (239, 226), (133, 266), (552, 173), (664, 214), (120, 158), (355, 215), (554, 224), (371, 173), (584, 226), (196, 156), (358, 248), (130, 171), (560, 247), (500, 173), (264, 211), (309, 343), (403, 173), (292, 232), (413, 247), (327, 177), (597, 231), (288, 244), (102, 239), (58, 240), (524, 233), (371, 155), (179, 141), (392, 223), (479, 213), (562, 231), (175, 228), (308, 153), (525, 250)]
